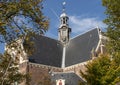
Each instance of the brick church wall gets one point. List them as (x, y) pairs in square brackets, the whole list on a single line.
[(76, 68), (23, 70), (41, 73)]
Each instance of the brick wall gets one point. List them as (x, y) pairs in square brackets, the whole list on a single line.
[(41, 74)]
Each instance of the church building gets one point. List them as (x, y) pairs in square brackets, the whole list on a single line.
[(61, 60)]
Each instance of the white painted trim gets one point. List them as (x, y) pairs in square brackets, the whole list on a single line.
[(99, 40), (63, 57), (83, 33), (98, 46)]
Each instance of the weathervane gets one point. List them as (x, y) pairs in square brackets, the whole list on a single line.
[(64, 3)]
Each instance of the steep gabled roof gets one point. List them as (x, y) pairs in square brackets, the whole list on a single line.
[(79, 48), (50, 51)]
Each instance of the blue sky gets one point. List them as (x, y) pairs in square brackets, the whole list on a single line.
[(83, 16)]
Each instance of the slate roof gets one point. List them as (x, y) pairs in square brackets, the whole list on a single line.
[(69, 77), (49, 51), (80, 47)]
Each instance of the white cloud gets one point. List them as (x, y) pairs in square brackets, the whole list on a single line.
[(82, 24)]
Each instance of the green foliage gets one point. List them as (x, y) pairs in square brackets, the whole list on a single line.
[(22, 19), (113, 30), (19, 17), (9, 73), (105, 70), (28, 79), (101, 71), (29, 44)]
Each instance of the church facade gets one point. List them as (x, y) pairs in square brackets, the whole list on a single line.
[(59, 61), (63, 59)]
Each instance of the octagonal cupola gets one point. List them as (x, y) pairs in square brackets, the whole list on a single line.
[(64, 19)]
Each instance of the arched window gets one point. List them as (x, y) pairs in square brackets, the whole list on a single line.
[(64, 20), (60, 82)]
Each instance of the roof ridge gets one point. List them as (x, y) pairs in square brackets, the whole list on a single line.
[(84, 33), (48, 37)]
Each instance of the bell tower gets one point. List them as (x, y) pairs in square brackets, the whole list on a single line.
[(64, 30)]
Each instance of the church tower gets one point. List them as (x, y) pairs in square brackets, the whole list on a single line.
[(64, 30)]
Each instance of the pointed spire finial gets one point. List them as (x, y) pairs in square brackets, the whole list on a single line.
[(64, 3)]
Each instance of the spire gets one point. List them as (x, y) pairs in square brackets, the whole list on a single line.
[(64, 3), (64, 30), (63, 17)]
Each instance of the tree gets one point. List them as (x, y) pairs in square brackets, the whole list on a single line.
[(9, 73), (101, 71), (19, 19), (113, 29), (105, 70)]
